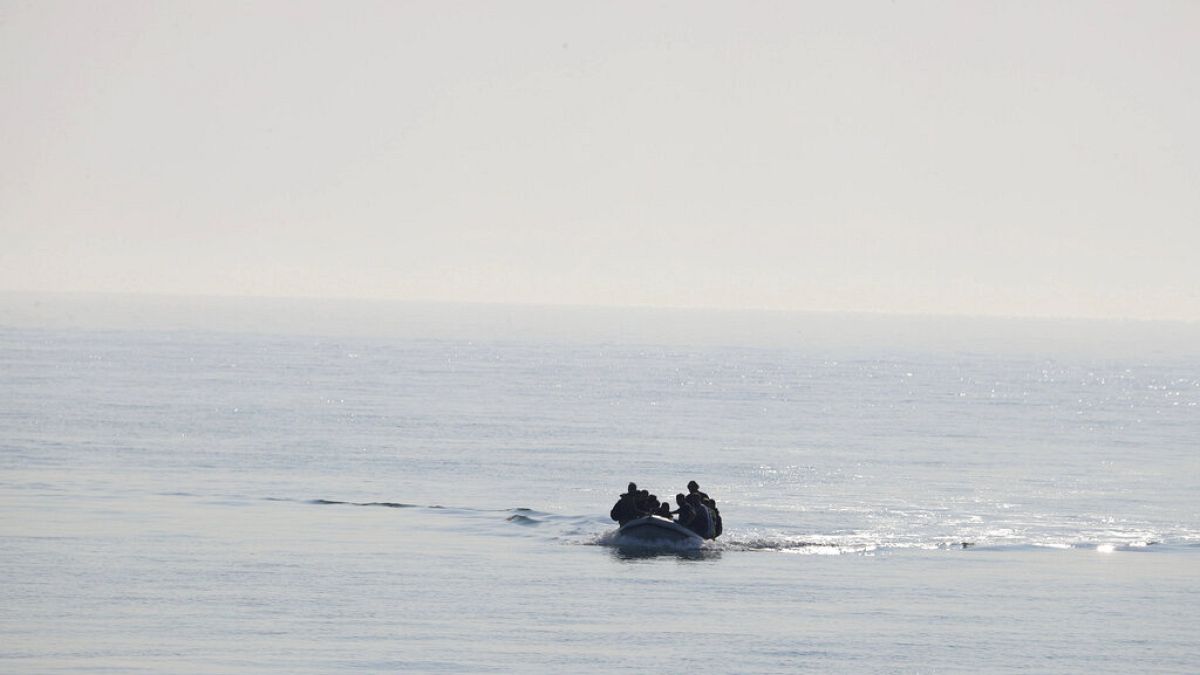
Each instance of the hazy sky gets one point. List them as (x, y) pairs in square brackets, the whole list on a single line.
[(1031, 158)]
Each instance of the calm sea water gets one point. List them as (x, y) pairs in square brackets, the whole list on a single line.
[(230, 500)]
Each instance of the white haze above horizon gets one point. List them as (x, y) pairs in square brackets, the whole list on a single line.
[(982, 158)]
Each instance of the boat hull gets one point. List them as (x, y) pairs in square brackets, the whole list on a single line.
[(656, 529)]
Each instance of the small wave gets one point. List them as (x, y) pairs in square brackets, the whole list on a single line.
[(390, 505), (523, 520), (1111, 547), (1100, 547), (816, 544), (404, 505), (790, 545)]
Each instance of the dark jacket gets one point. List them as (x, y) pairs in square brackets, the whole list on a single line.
[(716, 513), (625, 509), (701, 522)]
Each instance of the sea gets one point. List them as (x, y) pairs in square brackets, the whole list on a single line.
[(228, 485)]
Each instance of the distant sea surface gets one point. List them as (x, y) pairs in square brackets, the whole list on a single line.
[(313, 498)]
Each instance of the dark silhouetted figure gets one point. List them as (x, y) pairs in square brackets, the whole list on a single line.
[(626, 508), (701, 521), (694, 489), (664, 510), (647, 503), (684, 511)]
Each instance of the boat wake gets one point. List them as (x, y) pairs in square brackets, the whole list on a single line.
[(599, 531)]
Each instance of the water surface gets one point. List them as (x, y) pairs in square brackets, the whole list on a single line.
[(245, 500)]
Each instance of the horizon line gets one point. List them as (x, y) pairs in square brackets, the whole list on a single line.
[(879, 313)]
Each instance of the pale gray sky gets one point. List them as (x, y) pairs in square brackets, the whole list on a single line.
[(1028, 158)]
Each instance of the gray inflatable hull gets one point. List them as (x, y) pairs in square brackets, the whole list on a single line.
[(649, 529)]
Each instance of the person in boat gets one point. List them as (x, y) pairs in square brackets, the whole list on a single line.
[(701, 520), (664, 510), (647, 503), (626, 508), (683, 509), (710, 503), (691, 514)]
